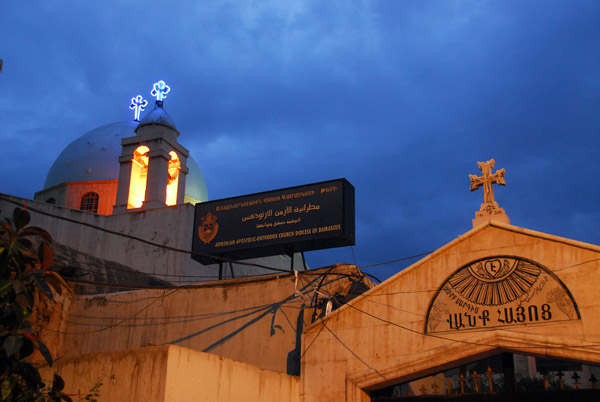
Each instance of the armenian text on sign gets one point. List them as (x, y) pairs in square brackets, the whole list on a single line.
[(310, 217), (499, 291)]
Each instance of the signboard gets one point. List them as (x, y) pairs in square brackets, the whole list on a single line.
[(499, 291), (310, 217)]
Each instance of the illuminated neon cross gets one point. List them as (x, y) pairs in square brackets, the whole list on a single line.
[(487, 179), (160, 90), (138, 104)]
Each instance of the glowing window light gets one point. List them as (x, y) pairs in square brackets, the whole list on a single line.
[(160, 90), (139, 177), (173, 181), (138, 104)]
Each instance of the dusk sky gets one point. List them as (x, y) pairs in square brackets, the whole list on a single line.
[(401, 98)]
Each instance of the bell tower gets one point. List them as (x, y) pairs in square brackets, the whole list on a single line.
[(153, 165)]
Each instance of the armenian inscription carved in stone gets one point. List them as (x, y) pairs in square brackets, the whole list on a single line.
[(499, 291)]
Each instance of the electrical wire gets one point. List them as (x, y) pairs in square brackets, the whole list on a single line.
[(288, 300), (353, 353), (184, 251), (151, 243), (255, 265)]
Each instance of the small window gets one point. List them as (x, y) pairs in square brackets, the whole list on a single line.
[(51, 201), (89, 202)]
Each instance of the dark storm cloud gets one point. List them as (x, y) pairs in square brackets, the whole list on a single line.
[(401, 98)]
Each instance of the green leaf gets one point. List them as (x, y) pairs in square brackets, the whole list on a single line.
[(21, 218), (43, 286), (29, 374), (56, 285), (5, 286), (12, 344), (58, 383), (45, 352), (6, 228), (27, 349), (6, 388), (26, 328), (29, 292), (35, 231), (46, 256), (18, 309), (57, 282)]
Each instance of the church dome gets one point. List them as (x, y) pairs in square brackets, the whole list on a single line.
[(95, 156), (158, 116)]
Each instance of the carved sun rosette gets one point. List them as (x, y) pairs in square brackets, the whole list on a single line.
[(499, 291)]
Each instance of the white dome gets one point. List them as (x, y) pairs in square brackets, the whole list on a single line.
[(95, 156)]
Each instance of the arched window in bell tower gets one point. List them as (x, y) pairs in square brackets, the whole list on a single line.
[(172, 183), (139, 177)]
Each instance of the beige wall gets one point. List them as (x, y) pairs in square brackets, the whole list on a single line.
[(197, 376), (378, 339), (169, 227), (172, 374), (250, 320), (69, 194)]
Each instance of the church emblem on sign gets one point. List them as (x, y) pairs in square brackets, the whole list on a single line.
[(208, 228), (499, 291)]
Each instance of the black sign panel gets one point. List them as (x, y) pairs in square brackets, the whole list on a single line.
[(310, 217)]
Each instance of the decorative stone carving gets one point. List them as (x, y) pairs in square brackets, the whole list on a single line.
[(499, 291), (489, 209)]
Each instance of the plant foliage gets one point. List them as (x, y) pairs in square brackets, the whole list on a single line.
[(25, 259)]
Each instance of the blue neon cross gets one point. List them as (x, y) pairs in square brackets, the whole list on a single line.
[(138, 104), (160, 90)]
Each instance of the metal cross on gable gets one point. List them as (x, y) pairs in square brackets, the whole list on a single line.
[(487, 179), (138, 104), (160, 90)]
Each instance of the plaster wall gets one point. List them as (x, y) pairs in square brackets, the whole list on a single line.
[(171, 374), (378, 339), (197, 376), (168, 227), (251, 320), (106, 189), (69, 194)]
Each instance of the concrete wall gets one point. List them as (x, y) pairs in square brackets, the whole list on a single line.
[(197, 376), (172, 374), (250, 320), (171, 227), (378, 339), (168, 227)]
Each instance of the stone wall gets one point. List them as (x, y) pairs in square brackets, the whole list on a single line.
[(379, 339)]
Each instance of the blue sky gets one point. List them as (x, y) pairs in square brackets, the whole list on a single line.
[(402, 98)]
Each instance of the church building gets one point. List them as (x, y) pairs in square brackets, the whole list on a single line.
[(500, 313)]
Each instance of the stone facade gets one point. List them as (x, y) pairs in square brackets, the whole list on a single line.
[(381, 338)]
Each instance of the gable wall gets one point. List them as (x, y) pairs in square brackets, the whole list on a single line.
[(375, 352)]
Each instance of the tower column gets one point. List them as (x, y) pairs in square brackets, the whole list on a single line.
[(158, 176), (125, 161), (183, 172)]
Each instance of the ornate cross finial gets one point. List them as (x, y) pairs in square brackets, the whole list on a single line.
[(449, 384), (489, 209), (160, 90), (475, 378), (138, 104), (490, 374)]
